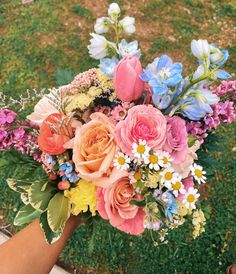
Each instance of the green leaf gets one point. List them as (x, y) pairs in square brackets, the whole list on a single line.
[(26, 215), (64, 76), (25, 198), (39, 199), (21, 186), (58, 212), (138, 203), (49, 235)]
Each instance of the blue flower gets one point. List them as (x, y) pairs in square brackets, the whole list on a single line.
[(50, 159), (107, 65), (197, 103), (66, 168), (129, 49), (217, 56), (67, 173), (171, 208), (161, 74)]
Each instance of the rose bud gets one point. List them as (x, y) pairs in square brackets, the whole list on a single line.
[(127, 83), (52, 176), (63, 185)]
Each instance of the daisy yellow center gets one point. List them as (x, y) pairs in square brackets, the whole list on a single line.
[(140, 149), (176, 185), (165, 160), (198, 173), (137, 175), (190, 198), (168, 175), (153, 159), (121, 160)]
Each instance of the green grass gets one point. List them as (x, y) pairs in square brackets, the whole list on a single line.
[(43, 45)]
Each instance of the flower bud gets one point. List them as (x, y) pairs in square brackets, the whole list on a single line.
[(52, 176), (127, 83), (114, 10), (63, 185)]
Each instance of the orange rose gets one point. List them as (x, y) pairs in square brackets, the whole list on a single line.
[(94, 150), (55, 131)]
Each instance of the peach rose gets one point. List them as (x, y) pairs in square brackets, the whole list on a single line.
[(142, 122), (94, 150), (113, 204), (54, 134)]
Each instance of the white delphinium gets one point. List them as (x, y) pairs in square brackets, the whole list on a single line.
[(114, 11), (201, 49), (127, 25), (102, 25), (99, 46)]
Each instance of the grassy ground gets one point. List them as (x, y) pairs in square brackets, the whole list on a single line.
[(43, 44)]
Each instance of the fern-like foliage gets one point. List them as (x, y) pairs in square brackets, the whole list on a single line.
[(14, 164)]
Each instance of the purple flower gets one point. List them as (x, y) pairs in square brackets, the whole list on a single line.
[(7, 116)]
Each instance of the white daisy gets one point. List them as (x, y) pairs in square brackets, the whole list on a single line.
[(154, 161), (135, 176), (190, 198), (166, 158), (167, 177), (121, 161), (177, 186), (198, 173), (140, 150)]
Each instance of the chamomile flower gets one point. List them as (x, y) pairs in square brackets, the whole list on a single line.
[(166, 159), (198, 173), (167, 177), (135, 176), (177, 186), (190, 198), (121, 161), (154, 161), (141, 149)]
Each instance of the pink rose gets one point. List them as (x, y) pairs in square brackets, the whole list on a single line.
[(176, 139), (113, 204), (184, 168), (94, 150), (142, 122), (128, 86)]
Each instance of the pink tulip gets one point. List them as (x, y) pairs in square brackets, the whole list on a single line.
[(128, 86)]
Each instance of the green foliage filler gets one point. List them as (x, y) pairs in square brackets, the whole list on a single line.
[(44, 45)]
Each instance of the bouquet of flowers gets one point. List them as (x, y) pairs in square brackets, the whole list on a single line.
[(120, 141)]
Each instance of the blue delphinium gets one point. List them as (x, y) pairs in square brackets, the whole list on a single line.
[(162, 74), (196, 103), (129, 49), (107, 65)]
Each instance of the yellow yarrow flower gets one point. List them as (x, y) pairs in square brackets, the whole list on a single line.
[(82, 197)]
